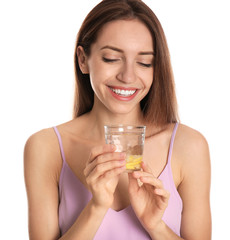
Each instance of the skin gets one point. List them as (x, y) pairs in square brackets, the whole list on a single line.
[(129, 45)]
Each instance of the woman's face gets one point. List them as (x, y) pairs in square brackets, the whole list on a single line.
[(121, 65)]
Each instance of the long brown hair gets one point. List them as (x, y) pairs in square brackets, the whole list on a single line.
[(159, 106)]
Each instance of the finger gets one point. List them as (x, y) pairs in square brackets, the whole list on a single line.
[(105, 178), (112, 173), (102, 169), (158, 187), (148, 178), (146, 168), (133, 184), (151, 180), (163, 193), (163, 197), (104, 158), (98, 150)]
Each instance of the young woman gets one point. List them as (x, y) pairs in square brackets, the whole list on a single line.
[(77, 185)]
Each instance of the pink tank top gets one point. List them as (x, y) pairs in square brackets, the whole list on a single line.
[(73, 197)]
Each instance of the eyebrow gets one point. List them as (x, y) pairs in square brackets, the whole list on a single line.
[(121, 51)]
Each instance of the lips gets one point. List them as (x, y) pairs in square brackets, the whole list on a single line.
[(123, 94)]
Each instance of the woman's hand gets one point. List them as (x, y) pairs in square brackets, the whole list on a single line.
[(102, 173), (149, 200)]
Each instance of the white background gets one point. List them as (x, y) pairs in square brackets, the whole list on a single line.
[(36, 86)]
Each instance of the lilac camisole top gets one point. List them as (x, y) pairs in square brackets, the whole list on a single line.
[(74, 196)]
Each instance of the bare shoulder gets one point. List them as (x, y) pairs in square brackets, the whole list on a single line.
[(42, 142), (189, 135), (192, 150), (190, 141), (42, 152), (41, 137)]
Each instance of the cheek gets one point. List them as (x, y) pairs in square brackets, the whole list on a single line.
[(100, 74), (94, 73), (98, 77), (148, 78)]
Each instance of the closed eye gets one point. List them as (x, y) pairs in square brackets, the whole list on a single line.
[(109, 60), (145, 64)]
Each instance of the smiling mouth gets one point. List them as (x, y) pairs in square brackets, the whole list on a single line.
[(122, 92)]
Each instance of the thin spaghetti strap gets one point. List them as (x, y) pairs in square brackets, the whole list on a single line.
[(60, 143), (171, 142)]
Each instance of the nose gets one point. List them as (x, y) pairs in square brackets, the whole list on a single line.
[(127, 73)]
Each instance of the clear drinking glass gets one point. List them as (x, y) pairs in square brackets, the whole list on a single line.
[(128, 139)]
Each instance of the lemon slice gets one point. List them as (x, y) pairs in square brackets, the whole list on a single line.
[(133, 162)]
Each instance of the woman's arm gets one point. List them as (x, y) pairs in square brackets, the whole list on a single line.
[(195, 186), (42, 170), (41, 179), (87, 224), (191, 150)]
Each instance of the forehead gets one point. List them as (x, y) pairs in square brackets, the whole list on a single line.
[(127, 35)]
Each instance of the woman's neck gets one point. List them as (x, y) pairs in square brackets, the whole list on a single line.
[(100, 117), (105, 117)]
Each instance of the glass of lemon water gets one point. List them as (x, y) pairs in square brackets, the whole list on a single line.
[(128, 139)]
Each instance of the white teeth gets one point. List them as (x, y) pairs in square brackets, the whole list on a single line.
[(124, 93)]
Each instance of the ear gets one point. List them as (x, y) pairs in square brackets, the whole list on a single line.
[(82, 60)]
